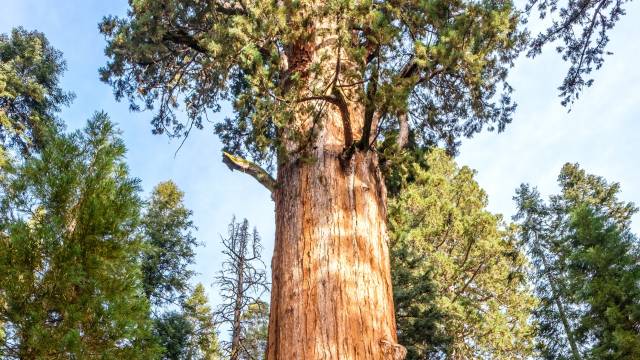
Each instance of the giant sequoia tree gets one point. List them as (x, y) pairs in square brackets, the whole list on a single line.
[(315, 87)]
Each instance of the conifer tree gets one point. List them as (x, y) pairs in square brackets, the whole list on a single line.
[(189, 334), (183, 322), (204, 341), (562, 238), (314, 86), (170, 246), (68, 252), (30, 93), (459, 276), (255, 331), (604, 273)]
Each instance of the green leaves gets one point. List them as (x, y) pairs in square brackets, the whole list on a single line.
[(585, 269), (69, 250), (30, 95), (169, 246), (457, 272), (442, 62)]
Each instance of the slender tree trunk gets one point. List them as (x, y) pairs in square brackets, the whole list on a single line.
[(237, 311), (563, 316)]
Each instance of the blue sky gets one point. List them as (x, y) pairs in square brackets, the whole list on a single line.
[(602, 131)]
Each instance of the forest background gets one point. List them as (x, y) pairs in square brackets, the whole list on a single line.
[(601, 131)]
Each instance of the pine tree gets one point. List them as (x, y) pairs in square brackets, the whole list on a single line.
[(242, 281), (458, 274), (30, 93), (204, 341), (604, 273), (562, 237), (183, 322), (189, 334), (170, 246), (68, 252), (314, 86)]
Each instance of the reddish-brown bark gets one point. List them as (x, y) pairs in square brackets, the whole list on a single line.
[(331, 295), (331, 292)]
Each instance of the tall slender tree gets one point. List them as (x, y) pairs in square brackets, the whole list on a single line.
[(459, 276), (314, 85), (204, 338), (604, 274), (70, 284), (188, 333), (183, 321), (242, 281), (169, 246), (255, 331), (562, 238)]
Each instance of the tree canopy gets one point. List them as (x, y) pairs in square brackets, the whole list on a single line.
[(437, 68), (585, 265), (68, 252)]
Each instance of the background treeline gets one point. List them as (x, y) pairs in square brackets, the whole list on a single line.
[(91, 269)]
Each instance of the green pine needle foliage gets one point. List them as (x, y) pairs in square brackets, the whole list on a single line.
[(30, 93), (68, 252), (458, 275), (586, 268)]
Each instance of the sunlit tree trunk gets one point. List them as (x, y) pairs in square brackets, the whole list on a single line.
[(331, 293)]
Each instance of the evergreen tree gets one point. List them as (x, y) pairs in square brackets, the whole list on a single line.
[(68, 252), (604, 273), (576, 243), (189, 334), (254, 331), (242, 281), (204, 339), (458, 274), (173, 329), (183, 321), (170, 246), (30, 93)]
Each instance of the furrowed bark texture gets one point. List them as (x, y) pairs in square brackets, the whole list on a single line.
[(331, 293)]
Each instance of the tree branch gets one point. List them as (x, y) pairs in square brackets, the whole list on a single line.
[(250, 168), (403, 135), (181, 37)]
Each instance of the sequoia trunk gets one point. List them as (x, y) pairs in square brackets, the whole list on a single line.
[(331, 294)]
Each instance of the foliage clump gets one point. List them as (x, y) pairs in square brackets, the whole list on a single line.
[(458, 274)]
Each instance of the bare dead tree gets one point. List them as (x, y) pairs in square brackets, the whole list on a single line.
[(242, 281)]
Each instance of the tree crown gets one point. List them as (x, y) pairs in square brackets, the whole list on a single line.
[(438, 66)]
